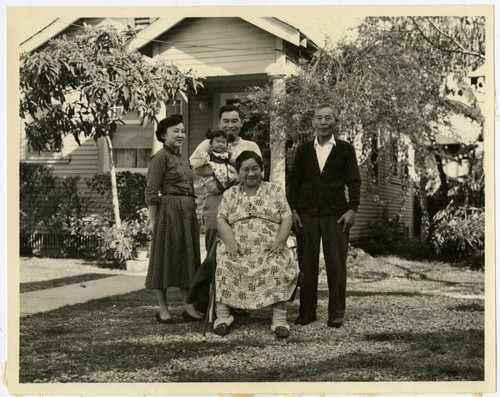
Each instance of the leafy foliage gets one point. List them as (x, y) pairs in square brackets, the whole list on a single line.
[(131, 187), (51, 202), (73, 86), (458, 234), (389, 85)]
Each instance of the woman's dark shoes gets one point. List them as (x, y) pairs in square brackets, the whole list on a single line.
[(165, 321), (303, 320), (187, 317), (281, 332), (222, 329), (335, 322)]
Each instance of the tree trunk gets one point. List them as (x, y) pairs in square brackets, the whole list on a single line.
[(114, 188), (442, 177), (277, 137), (425, 221)]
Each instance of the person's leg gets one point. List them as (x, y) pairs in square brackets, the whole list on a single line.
[(224, 319), (161, 297), (279, 325), (335, 245), (308, 252), (210, 207), (190, 308)]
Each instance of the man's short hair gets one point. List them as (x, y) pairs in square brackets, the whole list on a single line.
[(326, 105), (230, 108)]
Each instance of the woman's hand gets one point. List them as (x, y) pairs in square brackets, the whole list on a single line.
[(276, 247), (152, 225), (233, 249)]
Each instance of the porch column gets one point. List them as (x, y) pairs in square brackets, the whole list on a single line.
[(157, 145), (277, 136)]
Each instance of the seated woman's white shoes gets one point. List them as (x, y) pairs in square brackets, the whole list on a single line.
[(223, 326)]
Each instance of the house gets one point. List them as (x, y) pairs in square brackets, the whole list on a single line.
[(231, 53)]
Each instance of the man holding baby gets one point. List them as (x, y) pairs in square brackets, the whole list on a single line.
[(230, 122)]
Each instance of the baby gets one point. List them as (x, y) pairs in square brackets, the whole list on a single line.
[(218, 158)]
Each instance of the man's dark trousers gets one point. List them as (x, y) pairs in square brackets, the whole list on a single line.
[(335, 245)]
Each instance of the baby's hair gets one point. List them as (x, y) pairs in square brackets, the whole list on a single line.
[(216, 134)]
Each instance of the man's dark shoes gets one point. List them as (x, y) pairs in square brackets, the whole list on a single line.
[(303, 320), (335, 322)]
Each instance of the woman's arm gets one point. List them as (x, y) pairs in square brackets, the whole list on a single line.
[(152, 217), (226, 234), (279, 242)]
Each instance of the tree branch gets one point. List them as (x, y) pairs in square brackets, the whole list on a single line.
[(459, 48)]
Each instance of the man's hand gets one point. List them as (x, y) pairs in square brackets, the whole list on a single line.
[(297, 222), (348, 218)]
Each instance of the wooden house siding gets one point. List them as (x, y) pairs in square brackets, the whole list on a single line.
[(390, 192), (218, 46)]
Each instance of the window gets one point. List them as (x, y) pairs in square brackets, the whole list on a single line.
[(173, 107), (132, 144), (131, 158), (232, 98)]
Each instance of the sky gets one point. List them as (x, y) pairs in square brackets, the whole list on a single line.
[(317, 28)]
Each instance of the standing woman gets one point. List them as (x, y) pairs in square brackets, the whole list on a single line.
[(175, 248)]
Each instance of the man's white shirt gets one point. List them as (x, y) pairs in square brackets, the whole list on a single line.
[(322, 152)]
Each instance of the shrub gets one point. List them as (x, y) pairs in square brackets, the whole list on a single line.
[(131, 187), (116, 244), (458, 234), (385, 234), (51, 202), (36, 201), (139, 228), (113, 244)]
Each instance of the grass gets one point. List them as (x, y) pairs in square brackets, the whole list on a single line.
[(59, 282), (399, 326)]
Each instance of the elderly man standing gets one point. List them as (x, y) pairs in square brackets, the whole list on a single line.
[(321, 170), (230, 121)]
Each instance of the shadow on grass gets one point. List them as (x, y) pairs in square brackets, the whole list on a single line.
[(41, 285), (118, 336), (323, 294)]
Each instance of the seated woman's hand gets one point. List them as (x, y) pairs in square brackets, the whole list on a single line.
[(233, 249), (275, 248)]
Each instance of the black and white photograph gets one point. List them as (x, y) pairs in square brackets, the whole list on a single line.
[(250, 199)]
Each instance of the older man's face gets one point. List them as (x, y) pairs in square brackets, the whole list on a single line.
[(230, 122), (324, 122)]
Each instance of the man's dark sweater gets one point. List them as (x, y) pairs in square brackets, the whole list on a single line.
[(315, 192)]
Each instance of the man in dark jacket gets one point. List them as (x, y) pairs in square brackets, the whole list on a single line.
[(321, 170)]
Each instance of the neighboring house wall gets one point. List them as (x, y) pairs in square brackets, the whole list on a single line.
[(389, 189), (73, 160)]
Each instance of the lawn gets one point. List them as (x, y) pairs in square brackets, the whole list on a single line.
[(405, 321)]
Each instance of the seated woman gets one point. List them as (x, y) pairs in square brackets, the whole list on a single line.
[(255, 268)]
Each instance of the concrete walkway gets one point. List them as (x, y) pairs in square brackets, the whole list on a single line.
[(53, 298)]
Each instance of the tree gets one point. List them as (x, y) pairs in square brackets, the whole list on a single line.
[(73, 86), (391, 78)]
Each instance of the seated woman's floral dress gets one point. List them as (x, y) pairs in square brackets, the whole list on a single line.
[(254, 279)]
